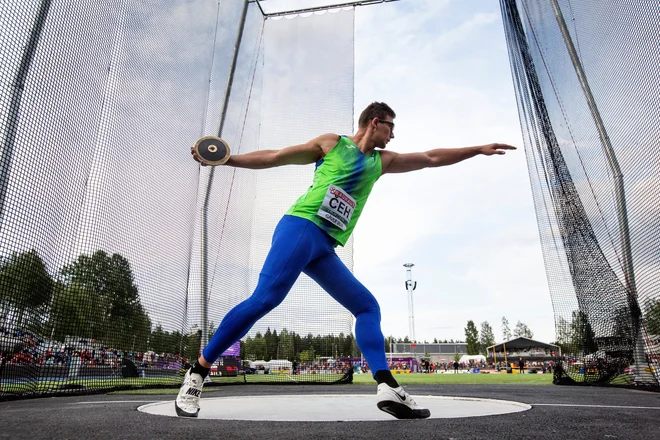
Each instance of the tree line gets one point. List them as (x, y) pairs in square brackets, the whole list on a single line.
[(95, 297), (478, 342)]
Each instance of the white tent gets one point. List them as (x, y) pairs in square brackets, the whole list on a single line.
[(280, 364), (476, 357)]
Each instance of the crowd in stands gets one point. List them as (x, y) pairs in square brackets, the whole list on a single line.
[(424, 366), (531, 352), (24, 347), (337, 367)]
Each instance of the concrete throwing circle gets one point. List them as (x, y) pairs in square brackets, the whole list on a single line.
[(331, 408)]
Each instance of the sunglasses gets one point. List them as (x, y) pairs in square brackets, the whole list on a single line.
[(389, 124)]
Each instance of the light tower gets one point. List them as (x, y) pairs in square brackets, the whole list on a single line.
[(410, 286)]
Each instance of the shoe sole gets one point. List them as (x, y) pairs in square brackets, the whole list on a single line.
[(182, 413), (401, 411)]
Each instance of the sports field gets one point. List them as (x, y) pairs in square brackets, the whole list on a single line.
[(170, 385), (403, 379), (465, 379)]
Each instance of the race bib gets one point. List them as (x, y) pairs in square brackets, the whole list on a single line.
[(337, 207)]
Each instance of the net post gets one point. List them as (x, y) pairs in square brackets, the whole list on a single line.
[(622, 214)]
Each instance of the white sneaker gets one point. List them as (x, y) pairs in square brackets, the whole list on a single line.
[(397, 402), (187, 402)]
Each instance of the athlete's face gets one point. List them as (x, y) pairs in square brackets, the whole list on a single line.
[(384, 130)]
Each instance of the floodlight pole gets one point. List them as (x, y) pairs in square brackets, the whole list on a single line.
[(410, 286), (622, 214)]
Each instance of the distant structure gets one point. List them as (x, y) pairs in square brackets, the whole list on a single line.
[(410, 286)]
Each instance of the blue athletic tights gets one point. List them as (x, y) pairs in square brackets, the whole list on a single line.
[(301, 246)]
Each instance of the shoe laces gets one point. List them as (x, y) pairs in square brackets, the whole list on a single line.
[(194, 382)]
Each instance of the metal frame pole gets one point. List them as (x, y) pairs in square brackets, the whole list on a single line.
[(622, 214), (204, 235), (7, 154), (345, 4)]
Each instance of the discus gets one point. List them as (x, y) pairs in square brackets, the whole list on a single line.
[(212, 150)]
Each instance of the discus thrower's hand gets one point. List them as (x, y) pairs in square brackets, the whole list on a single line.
[(490, 149), (197, 158)]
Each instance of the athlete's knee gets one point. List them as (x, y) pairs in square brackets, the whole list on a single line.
[(369, 307), (271, 292)]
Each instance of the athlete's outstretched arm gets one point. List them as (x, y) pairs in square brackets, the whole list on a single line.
[(303, 154), (402, 163)]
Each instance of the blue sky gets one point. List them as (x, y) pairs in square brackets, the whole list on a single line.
[(470, 229)]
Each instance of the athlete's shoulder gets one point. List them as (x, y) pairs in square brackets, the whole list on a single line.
[(328, 141), (386, 156)]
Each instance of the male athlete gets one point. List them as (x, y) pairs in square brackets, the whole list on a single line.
[(306, 237)]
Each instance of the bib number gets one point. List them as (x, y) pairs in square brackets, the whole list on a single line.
[(337, 207)]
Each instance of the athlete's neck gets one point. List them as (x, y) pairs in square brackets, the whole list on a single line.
[(364, 140)]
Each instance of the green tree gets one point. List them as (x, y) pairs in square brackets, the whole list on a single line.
[(389, 343), (506, 330), (160, 341), (259, 347), (623, 326), (26, 288), (582, 335), (75, 311), (486, 338), (192, 343), (271, 339), (247, 349), (347, 348), (285, 346), (472, 338), (522, 330), (563, 335), (102, 286), (355, 350), (307, 355), (652, 318)]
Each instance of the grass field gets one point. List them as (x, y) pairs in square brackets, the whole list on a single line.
[(463, 379), (170, 385), (403, 379)]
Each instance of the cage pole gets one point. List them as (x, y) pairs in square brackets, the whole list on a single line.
[(205, 210), (18, 87), (622, 213)]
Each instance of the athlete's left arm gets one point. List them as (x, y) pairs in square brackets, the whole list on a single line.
[(402, 163)]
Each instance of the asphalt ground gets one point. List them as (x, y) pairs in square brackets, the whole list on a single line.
[(558, 412)]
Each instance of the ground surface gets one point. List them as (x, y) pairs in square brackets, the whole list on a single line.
[(558, 412)]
